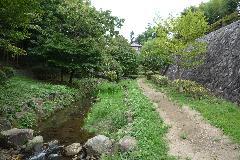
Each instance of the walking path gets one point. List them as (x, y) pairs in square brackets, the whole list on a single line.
[(190, 136)]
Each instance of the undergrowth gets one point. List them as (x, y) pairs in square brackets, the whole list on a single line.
[(109, 116), (22, 99)]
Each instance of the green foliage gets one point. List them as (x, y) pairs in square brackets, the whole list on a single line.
[(154, 54), (87, 86), (224, 21), (15, 18), (9, 71), (188, 52), (109, 117), (3, 77), (191, 88), (219, 112), (149, 34), (21, 94), (215, 10), (73, 35), (29, 120), (160, 80), (111, 69), (121, 51)]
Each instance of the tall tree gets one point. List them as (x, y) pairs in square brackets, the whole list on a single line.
[(15, 19), (73, 34), (188, 52)]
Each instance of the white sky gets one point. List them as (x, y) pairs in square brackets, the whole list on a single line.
[(138, 13)]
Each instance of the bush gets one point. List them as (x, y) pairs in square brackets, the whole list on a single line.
[(152, 63), (129, 62), (3, 77), (29, 120), (191, 88), (9, 71), (111, 69), (160, 80), (224, 21), (87, 86)]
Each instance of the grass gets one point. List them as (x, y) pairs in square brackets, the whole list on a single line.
[(109, 117), (183, 136), (219, 112), (20, 93)]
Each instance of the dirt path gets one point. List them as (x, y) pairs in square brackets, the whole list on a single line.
[(189, 136)]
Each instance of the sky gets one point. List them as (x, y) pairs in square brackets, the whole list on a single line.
[(139, 13)]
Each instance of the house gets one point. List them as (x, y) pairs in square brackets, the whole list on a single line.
[(136, 46)]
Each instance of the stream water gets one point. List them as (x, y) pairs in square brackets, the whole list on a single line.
[(66, 126)]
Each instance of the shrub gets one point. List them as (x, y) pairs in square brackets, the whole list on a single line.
[(29, 120), (149, 74), (191, 88), (111, 69), (87, 86), (3, 77), (9, 71), (224, 21), (160, 80)]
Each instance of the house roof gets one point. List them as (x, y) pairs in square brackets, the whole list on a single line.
[(135, 45)]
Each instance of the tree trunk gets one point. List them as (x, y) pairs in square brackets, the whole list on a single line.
[(61, 75), (71, 76), (166, 69), (179, 77)]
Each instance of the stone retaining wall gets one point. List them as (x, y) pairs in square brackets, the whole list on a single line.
[(221, 69)]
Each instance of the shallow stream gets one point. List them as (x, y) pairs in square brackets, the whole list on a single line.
[(66, 126)]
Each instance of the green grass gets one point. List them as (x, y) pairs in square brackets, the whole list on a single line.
[(109, 117), (19, 91), (219, 112)]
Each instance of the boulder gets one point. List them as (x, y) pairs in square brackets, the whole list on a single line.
[(127, 144), (35, 144), (73, 149), (41, 156), (18, 137), (98, 145), (4, 124), (54, 157)]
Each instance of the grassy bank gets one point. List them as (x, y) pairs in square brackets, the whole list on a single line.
[(219, 112), (121, 109), (23, 100)]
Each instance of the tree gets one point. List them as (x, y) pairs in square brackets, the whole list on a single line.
[(155, 53), (149, 34), (74, 34), (15, 18), (188, 51), (232, 5), (122, 52)]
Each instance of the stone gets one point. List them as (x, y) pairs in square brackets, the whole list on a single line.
[(35, 144), (18, 137), (4, 124), (53, 144), (21, 114), (40, 156), (55, 150), (54, 157), (98, 145), (127, 144), (72, 149)]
